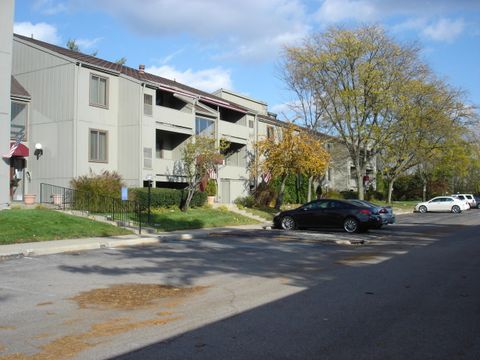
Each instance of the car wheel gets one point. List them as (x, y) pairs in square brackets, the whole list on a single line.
[(456, 209), (351, 225), (422, 209), (288, 223)]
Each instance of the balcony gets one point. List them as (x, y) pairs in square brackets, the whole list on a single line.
[(172, 120), (233, 132)]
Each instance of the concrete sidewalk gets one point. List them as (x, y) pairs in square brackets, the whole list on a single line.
[(68, 245)]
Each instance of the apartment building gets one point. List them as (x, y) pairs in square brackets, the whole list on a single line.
[(88, 115)]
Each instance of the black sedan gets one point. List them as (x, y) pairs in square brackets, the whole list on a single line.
[(328, 213)]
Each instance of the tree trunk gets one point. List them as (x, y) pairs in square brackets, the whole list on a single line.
[(360, 184), (424, 190), (310, 184), (390, 190), (186, 205), (279, 201)]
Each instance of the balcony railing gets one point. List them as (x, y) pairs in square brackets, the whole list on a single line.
[(233, 132)]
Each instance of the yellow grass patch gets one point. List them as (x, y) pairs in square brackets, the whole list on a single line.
[(131, 296)]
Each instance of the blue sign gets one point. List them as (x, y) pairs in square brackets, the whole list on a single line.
[(124, 193)]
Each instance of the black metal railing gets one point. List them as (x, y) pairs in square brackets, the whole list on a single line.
[(126, 213)]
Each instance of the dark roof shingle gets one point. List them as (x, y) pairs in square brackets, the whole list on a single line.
[(131, 72)]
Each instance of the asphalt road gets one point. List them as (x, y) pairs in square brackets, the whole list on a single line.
[(410, 292)]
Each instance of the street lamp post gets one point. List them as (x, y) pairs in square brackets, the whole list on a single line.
[(149, 183)]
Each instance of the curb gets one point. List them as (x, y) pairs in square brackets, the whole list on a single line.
[(36, 250)]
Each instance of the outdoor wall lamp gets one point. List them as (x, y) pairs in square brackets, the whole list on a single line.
[(38, 150)]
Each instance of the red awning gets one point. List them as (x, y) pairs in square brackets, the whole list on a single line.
[(19, 150)]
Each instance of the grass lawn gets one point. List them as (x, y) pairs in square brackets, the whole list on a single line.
[(28, 225), (402, 205), (266, 213), (195, 218)]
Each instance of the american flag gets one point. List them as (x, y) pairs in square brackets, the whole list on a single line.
[(267, 176), (14, 146), (212, 174)]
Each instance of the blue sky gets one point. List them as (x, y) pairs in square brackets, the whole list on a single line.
[(209, 44)]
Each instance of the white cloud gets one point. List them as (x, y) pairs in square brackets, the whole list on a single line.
[(49, 7), (207, 80), (166, 59), (440, 30), (247, 28), (86, 44), (40, 31), (332, 11), (410, 25), (282, 108), (444, 30)]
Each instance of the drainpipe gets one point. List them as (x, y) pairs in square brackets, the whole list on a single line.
[(140, 133), (75, 120), (255, 152)]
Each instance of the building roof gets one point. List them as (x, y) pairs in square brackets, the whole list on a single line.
[(274, 121), (17, 90), (271, 119), (136, 74)]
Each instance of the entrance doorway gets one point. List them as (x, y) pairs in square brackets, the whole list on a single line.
[(17, 178)]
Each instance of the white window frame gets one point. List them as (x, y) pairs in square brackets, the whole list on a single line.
[(27, 109), (147, 160), (107, 86), (90, 157), (146, 106)]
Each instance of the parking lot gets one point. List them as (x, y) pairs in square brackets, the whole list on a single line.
[(249, 292)]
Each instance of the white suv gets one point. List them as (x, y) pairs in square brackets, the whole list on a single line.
[(471, 200), (464, 198)]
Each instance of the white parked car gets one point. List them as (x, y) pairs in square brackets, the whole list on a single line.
[(442, 203)]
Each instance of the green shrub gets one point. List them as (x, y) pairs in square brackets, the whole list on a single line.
[(95, 192), (296, 189), (108, 183), (264, 195), (199, 199), (245, 201), (332, 194), (164, 198), (349, 194), (373, 195), (211, 188)]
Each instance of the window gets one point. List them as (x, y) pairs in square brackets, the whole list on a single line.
[(251, 124), (98, 146), (19, 120), (147, 158), (98, 91), (270, 132), (353, 173), (147, 104), (204, 126)]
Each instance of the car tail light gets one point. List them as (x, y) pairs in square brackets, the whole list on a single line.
[(365, 211), (383, 211)]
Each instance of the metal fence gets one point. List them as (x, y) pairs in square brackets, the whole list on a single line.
[(126, 213)]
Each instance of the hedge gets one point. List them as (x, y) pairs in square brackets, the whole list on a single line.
[(162, 198)]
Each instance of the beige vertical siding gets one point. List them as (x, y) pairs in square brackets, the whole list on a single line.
[(50, 80)]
